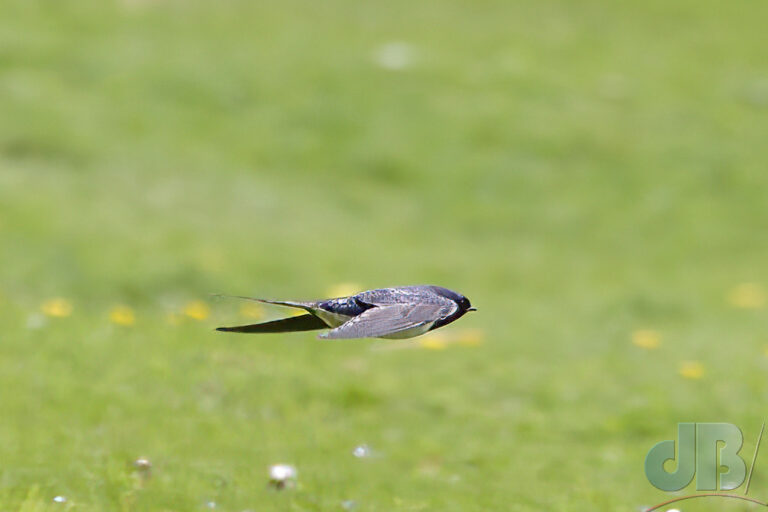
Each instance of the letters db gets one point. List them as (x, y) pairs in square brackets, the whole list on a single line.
[(698, 452)]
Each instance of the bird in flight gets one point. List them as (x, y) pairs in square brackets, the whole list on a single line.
[(393, 313)]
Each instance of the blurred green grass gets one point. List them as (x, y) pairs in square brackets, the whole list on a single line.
[(580, 170)]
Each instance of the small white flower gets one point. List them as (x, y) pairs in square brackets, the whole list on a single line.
[(282, 475), (362, 451), (59, 499), (394, 56), (142, 463)]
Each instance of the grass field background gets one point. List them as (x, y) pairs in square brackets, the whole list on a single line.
[(587, 173)]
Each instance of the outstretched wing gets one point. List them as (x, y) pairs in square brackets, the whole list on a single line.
[(422, 294), (387, 320), (290, 324)]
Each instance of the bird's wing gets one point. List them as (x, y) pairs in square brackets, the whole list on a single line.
[(290, 324), (402, 295), (387, 296), (391, 319)]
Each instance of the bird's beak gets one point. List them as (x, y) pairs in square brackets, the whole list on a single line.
[(472, 309)]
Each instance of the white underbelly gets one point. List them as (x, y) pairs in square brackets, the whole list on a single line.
[(409, 333), (332, 320)]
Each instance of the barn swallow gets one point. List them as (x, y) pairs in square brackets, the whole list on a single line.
[(393, 313)]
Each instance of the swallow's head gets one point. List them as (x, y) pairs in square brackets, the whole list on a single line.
[(459, 299), (465, 305)]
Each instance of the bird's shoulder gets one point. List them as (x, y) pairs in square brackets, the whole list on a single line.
[(347, 306)]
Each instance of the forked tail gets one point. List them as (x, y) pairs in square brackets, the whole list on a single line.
[(306, 305), (290, 324)]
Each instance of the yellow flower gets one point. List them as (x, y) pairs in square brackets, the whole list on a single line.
[(122, 315), (646, 338), (57, 307), (433, 341), (747, 296), (691, 369), (197, 310), (252, 310), (344, 290), (471, 337)]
